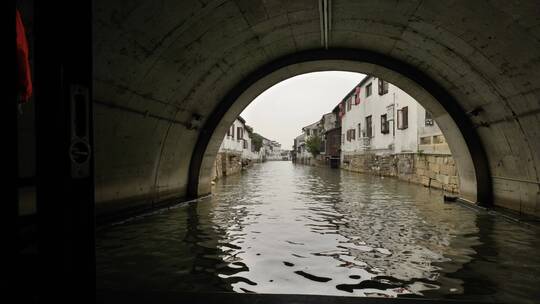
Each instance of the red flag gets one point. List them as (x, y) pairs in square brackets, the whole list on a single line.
[(23, 65), (357, 93)]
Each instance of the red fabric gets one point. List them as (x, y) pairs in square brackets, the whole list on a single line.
[(23, 65), (357, 93)]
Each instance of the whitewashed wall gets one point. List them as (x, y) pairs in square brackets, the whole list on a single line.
[(231, 143), (396, 140)]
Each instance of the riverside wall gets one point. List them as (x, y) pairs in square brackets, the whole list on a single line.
[(229, 163), (431, 170)]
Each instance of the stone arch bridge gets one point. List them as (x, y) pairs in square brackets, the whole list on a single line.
[(170, 76), (132, 99)]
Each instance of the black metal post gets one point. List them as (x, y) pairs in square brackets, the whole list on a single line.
[(64, 135)]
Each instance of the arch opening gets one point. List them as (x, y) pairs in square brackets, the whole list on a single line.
[(465, 145)]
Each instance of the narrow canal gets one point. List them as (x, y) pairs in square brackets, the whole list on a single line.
[(292, 229)]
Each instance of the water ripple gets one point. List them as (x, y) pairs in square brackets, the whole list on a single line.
[(280, 228)]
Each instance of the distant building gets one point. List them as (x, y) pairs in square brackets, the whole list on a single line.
[(332, 138), (327, 128), (266, 149), (303, 156), (248, 151), (327, 122), (286, 155), (274, 150), (299, 147), (270, 150), (330, 131), (236, 150)]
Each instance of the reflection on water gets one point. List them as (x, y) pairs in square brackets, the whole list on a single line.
[(281, 228)]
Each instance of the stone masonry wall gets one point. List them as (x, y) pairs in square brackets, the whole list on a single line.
[(431, 170), (217, 170), (226, 164), (437, 171), (304, 160)]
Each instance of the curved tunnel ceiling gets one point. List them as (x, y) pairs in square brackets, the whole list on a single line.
[(158, 63)]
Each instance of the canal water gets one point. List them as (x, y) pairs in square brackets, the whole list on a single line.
[(293, 229)]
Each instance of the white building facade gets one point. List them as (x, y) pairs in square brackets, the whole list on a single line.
[(378, 117), (238, 140), (302, 155), (384, 131), (274, 150), (236, 151)]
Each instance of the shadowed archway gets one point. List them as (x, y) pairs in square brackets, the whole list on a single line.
[(159, 65), (466, 146)]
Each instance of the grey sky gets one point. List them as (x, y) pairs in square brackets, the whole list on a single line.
[(280, 112)]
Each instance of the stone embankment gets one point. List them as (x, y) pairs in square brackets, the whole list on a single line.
[(431, 170), (228, 163)]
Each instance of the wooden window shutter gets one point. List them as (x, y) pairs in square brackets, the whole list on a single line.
[(405, 117), (239, 133), (357, 94)]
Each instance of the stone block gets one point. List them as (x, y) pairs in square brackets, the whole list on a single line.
[(416, 179), (444, 179), (424, 180), (445, 169), (436, 184)]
